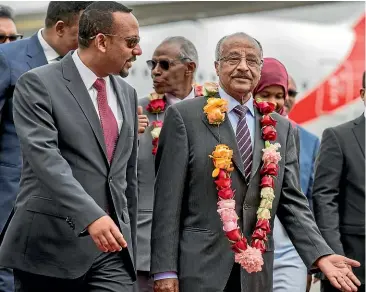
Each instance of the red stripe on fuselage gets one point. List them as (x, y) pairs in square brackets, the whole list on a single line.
[(340, 87)]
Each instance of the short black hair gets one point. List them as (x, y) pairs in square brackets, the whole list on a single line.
[(98, 18), (6, 12), (64, 11), (364, 80)]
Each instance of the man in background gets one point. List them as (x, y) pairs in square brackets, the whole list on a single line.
[(289, 271), (173, 67), (8, 30), (339, 191), (48, 45)]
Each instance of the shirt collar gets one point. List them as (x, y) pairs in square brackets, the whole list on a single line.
[(232, 102), (86, 74), (49, 52), (171, 99)]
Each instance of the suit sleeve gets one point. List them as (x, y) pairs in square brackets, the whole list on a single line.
[(171, 171), (309, 191), (4, 80), (131, 177), (38, 136), (294, 213), (328, 170)]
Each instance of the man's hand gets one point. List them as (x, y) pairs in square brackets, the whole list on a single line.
[(338, 270), (106, 235), (143, 120), (166, 285)]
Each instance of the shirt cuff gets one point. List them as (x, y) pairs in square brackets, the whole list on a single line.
[(166, 275)]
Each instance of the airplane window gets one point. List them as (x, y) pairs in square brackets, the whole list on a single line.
[(133, 71), (213, 77), (200, 77), (146, 73)]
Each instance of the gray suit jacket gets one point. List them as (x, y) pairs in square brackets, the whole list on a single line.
[(67, 182), (339, 190), (187, 235), (146, 178)]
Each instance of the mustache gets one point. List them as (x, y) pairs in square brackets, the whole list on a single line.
[(241, 76), (133, 59)]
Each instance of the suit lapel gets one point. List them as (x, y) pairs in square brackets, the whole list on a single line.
[(258, 144), (359, 131), (78, 90), (122, 102), (224, 134), (35, 55)]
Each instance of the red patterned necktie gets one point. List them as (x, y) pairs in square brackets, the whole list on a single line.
[(244, 140), (107, 118)]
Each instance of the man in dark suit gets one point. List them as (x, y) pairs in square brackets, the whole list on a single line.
[(57, 38), (187, 233), (339, 191), (74, 225), (173, 67)]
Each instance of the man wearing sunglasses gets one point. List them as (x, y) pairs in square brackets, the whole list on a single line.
[(173, 67), (8, 30), (74, 225), (287, 277), (46, 46)]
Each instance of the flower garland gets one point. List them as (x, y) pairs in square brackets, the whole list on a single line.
[(157, 106), (248, 255)]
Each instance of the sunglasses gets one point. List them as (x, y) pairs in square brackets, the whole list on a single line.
[(130, 41), (11, 38), (292, 93), (164, 64)]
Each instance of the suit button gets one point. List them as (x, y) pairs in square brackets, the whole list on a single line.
[(246, 206), (110, 180)]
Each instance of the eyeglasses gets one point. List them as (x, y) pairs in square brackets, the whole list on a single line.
[(292, 93), (11, 38), (251, 62), (164, 64), (131, 41)]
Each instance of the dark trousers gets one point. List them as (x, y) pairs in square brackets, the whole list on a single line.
[(233, 284), (326, 286), (144, 282), (6, 280), (107, 274)]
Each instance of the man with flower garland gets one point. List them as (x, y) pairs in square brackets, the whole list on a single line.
[(214, 199), (173, 66)]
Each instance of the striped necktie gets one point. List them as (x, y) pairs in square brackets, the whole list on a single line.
[(244, 141)]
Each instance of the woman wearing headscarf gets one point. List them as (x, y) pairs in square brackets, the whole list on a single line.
[(289, 271)]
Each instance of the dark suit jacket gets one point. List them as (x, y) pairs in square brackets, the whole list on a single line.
[(339, 190), (67, 182), (309, 147), (16, 58), (146, 178), (187, 235)]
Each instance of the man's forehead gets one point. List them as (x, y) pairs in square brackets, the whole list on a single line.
[(168, 50), (240, 44)]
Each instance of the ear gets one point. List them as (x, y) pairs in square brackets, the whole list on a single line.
[(362, 94), (60, 28), (217, 68), (100, 42), (191, 68)]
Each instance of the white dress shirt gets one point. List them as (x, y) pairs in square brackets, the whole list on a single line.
[(89, 78), (171, 99), (49, 52)]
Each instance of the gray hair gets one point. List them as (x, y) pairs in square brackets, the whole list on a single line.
[(187, 48), (237, 34)]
